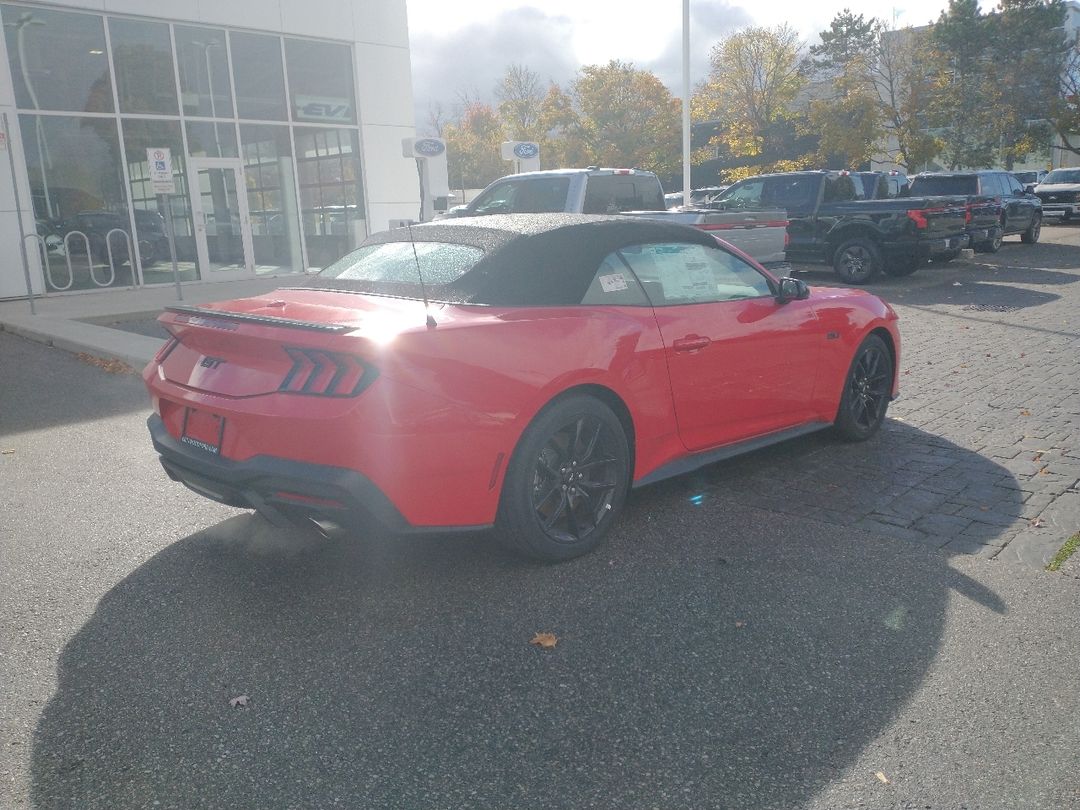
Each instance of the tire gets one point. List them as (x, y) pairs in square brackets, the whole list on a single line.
[(992, 245), (944, 258), (1031, 235), (867, 389), (902, 266), (857, 261), (567, 481)]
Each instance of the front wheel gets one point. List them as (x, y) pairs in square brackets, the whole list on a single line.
[(567, 481), (1031, 235), (857, 261), (866, 391)]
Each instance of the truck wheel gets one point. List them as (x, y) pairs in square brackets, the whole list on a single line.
[(857, 261), (993, 244), (1031, 235), (900, 266)]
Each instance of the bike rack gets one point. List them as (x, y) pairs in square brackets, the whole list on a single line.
[(47, 267), (67, 252), (112, 264)]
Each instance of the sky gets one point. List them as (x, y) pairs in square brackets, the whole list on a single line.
[(462, 47)]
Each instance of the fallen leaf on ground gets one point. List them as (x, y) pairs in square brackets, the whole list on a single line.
[(1037, 523), (545, 640), (239, 700), (882, 778), (1025, 412), (112, 366), (740, 624), (9, 452)]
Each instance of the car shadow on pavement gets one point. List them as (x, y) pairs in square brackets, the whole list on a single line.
[(712, 653)]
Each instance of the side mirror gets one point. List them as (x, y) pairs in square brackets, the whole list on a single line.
[(792, 289)]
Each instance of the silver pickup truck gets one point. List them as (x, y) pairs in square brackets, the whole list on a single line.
[(759, 234)]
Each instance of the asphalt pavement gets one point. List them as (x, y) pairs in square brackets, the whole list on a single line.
[(716, 653)]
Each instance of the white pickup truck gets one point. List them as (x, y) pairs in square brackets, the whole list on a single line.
[(759, 234)]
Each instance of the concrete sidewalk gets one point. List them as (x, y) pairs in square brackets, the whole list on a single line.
[(74, 321)]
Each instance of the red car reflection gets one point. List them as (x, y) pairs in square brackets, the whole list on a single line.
[(518, 371)]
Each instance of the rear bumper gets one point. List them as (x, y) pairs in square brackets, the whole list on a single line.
[(282, 490)]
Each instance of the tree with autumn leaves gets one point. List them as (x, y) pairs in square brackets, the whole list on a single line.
[(973, 90)]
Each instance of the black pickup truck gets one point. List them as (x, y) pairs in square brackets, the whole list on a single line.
[(997, 205), (832, 221)]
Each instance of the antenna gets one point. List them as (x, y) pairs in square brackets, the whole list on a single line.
[(423, 287)]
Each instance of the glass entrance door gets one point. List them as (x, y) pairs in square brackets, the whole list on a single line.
[(222, 224)]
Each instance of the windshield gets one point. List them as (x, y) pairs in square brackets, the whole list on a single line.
[(945, 184), (1062, 176), (533, 195), (1026, 177), (393, 268)]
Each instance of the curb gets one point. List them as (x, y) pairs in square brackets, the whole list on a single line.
[(77, 337)]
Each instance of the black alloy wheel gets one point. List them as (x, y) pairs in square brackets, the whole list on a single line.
[(567, 480), (866, 392), (1031, 235), (857, 261)]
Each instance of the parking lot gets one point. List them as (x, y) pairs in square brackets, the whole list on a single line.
[(816, 625)]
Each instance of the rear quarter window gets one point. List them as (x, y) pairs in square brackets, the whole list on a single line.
[(962, 185), (612, 194)]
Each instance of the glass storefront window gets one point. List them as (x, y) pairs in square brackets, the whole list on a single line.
[(258, 76), (143, 61), (332, 208), (76, 184), (204, 72), (211, 139), (57, 60), (140, 135), (269, 176), (320, 82)]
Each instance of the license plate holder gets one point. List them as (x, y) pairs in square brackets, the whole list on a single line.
[(203, 430)]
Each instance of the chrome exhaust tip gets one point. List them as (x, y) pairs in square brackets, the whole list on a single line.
[(326, 529)]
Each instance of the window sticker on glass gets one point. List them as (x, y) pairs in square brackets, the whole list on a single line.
[(613, 282)]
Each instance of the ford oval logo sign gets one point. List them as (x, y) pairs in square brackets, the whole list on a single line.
[(429, 147), (526, 150)]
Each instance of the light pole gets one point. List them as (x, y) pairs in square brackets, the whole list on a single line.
[(686, 101)]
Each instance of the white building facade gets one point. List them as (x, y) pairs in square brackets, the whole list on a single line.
[(283, 121)]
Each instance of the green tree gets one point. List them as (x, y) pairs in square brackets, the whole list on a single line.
[(520, 96), (964, 101), (1064, 113), (754, 78), (613, 115), (1028, 43)]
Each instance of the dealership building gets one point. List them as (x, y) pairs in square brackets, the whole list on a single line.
[(280, 122)]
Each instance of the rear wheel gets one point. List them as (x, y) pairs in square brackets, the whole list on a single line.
[(1031, 235), (567, 481), (857, 261), (866, 391)]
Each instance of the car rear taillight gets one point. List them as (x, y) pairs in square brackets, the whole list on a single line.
[(967, 215), (918, 217), (166, 350), (326, 374)]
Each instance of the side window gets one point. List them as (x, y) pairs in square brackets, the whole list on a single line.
[(840, 189), (743, 195), (610, 194), (790, 192), (1014, 185), (990, 185), (675, 273), (497, 200), (614, 284)]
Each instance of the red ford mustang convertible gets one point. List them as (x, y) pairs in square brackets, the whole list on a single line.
[(523, 372)]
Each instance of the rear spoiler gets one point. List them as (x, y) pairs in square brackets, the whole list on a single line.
[(207, 317)]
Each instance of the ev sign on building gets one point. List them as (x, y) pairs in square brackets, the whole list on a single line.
[(161, 175)]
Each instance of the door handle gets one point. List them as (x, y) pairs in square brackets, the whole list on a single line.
[(691, 343)]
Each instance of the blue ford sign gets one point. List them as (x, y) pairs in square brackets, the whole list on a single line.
[(526, 150), (429, 147)]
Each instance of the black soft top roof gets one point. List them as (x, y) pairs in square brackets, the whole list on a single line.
[(537, 259)]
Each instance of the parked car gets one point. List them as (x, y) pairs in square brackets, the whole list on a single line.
[(1030, 179), (761, 235), (518, 371), (574, 191), (998, 206), (831, 221), (1059, 193)]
